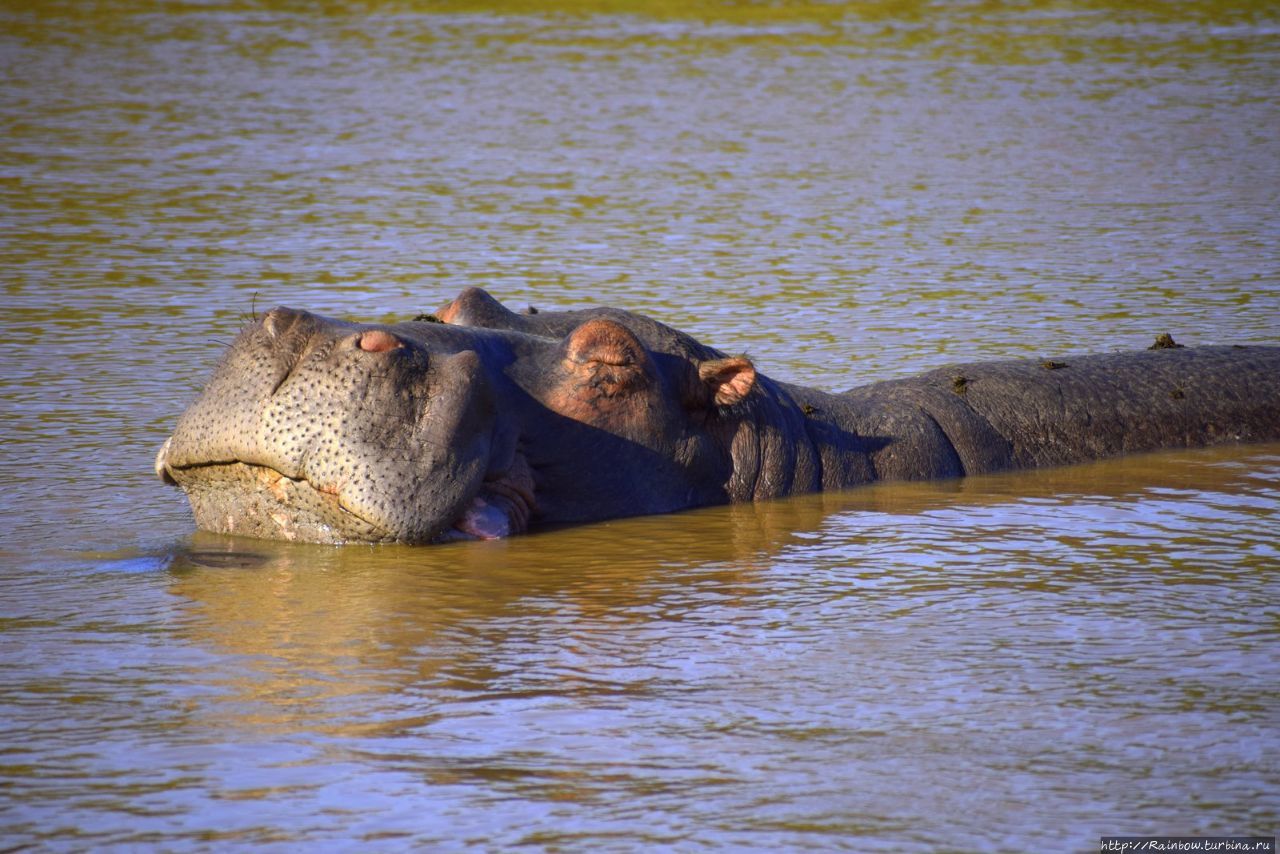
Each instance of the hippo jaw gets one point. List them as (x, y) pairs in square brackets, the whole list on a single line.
[(258, 501), (323, 431)]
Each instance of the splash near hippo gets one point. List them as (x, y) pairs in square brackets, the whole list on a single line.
[(481, 423)]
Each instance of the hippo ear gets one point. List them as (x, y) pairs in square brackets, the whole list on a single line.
[(475, 307), (730, 379)]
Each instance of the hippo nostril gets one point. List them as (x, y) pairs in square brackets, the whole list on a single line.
[(378, 341)]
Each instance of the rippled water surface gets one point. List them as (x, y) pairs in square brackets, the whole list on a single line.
[(844, 191)]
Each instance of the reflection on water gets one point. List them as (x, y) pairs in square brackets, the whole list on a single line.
[(1090, 650), (847, 192)]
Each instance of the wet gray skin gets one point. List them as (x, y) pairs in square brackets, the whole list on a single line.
[(491, 422)]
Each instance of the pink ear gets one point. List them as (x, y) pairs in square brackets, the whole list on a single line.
[(732, 378)]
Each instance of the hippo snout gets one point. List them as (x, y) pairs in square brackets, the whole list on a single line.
[(326, 430)]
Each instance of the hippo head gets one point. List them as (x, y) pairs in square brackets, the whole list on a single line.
[(329, 431), (316, 429)]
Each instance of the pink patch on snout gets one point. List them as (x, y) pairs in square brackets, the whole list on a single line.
[(378, 341), (485, 521)]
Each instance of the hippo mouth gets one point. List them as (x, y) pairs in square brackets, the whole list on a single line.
[(257, 500)]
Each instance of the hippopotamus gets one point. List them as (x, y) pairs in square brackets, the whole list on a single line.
[(479, 422)]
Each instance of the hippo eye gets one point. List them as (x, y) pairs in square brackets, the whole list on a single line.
[(614, 380), (607, 348)]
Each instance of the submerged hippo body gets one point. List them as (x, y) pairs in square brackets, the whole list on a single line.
[(492, 422)]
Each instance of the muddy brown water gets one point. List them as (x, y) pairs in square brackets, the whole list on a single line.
[(845, 192)]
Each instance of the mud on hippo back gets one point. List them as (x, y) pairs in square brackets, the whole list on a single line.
[(491, 422)]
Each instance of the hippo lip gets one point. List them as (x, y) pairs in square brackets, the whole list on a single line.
[(492, 509), (293, 497), (162, 463), (270, 480), (500, 507)]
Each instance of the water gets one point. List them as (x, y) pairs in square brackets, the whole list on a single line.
[(846, 193)]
